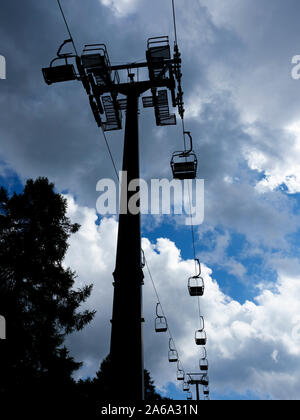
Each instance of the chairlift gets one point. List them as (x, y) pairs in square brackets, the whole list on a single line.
[(161, 324), (200, 338), (173, 355), (96, 62), (200, 335), (206, 391), (60, 73), (184, 163), (196, 283), (189, 396), (203, 364), (204, 380), (180, 372), (158, 50), (185, 387)]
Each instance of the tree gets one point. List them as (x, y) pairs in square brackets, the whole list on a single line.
[(37, 297), (101, 388)]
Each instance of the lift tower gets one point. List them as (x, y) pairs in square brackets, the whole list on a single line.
[(198, 379), (103, 85)]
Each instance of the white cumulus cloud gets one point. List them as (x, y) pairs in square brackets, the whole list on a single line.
[(252, 346)]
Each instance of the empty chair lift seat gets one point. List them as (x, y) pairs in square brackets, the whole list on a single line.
[(62, 73), (204, 380), (200, 338), (184, 166), (184, 163), (96, 63), (184, 170), (56, 74), (173, 356), (206, 391), (185, 387), (180, 375), (161, 324), (204, 365), (196, 286), (158, 51)]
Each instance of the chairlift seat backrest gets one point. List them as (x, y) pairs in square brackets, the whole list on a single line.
[(161, 52), (200, 338), (173, 356), (161, 324), (196, 288), (204, 365), (180, 375), (201, 341), (56, 74), (186, 387), (90, 61), (204, 380), (184, 170), (196, 291)]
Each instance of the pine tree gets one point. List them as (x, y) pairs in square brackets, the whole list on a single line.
[(37, 296)]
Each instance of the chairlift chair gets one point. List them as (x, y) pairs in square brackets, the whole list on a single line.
[(206, 391), (173, 355), (189, 396), (180, 372), (185, 387), (203, 364), (60, 73), (184, 163), (204, 380), (161, 324), (158, 50), (95, 61), (200, 336), (180, 375), (196, 283), (196, 286)]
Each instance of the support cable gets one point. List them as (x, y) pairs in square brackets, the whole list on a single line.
[(110, 154), (67, 26), (189, 192), (174, 21), (162, 309), (192, 226)]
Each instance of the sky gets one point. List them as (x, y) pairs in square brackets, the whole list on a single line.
[(242, 108)]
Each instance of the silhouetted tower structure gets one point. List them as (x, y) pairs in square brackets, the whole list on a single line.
[(103, 85), (198, 379)]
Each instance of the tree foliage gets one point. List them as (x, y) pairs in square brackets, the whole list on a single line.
[(41, 307), (102, 389), (37, 295)]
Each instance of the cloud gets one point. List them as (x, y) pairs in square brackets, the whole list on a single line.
[(242, 108), (279, 167), (252, 346), (121, 7)]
